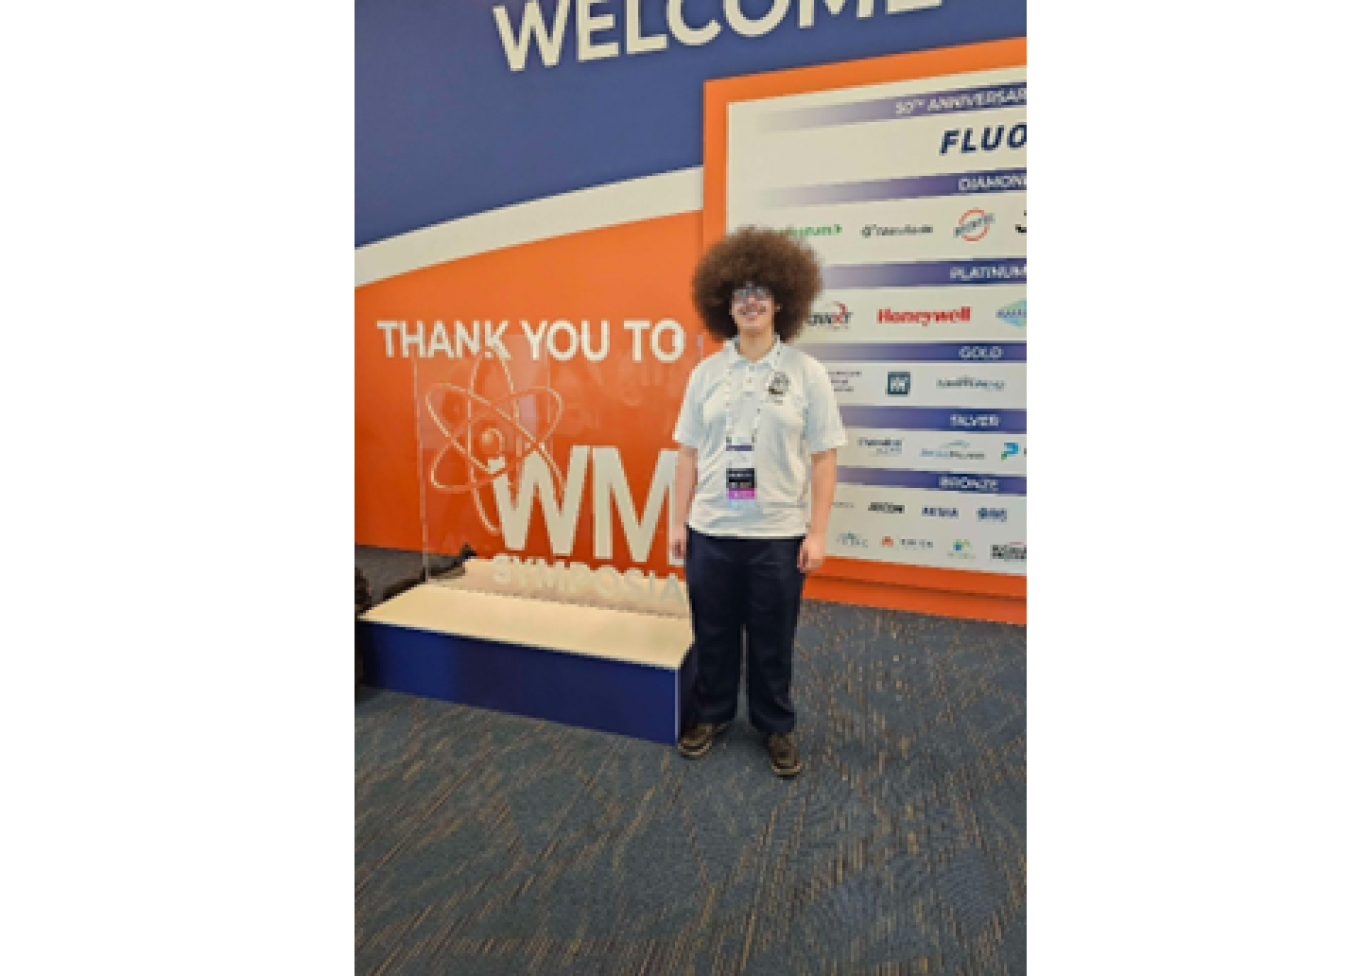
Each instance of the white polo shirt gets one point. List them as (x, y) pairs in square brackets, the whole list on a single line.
[(801, 421)]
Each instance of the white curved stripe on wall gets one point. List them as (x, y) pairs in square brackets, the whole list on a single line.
[(680, 191)]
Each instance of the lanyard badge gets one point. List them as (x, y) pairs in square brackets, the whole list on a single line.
[(741, 475), (740, 453)]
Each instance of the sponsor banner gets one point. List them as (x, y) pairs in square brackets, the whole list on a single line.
[(921, 222), (928, 384), (927, 450), (919, 216), (927, 528)]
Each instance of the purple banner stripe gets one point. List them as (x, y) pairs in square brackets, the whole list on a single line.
[(898, 107), (918, 352), (936, 418), (908, 188), (983, 484), (999, 271)]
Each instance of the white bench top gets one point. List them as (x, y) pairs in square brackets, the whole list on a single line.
[(601, 632)]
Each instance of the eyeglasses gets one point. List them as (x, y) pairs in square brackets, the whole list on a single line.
[(743, 296)]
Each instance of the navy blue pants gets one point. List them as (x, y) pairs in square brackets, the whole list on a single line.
[(744, 593)]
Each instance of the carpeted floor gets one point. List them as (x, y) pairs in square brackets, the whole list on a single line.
[(488, 843)]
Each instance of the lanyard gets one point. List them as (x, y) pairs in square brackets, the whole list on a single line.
[(759, 405)]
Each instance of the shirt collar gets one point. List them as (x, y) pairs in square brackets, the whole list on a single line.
[(735, 358)]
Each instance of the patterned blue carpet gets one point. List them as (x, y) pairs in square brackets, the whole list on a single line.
[(488, 843)]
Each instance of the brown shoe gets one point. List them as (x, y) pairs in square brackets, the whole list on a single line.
[(698, 739), (783, 755)]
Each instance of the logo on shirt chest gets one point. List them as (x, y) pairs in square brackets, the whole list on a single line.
[(778, 387)]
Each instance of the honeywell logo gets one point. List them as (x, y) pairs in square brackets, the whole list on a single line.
[(889, 316)]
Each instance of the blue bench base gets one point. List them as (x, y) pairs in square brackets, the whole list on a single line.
[(609, 695)]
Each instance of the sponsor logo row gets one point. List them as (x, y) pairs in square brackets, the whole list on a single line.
[(956, 549), (899, 382), (983, 513), (953, 450), (973, 224), (835, 316)]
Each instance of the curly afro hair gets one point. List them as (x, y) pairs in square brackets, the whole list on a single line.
[(785, 265)]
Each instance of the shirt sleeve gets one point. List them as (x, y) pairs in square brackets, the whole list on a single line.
[(824, 426), (689, 427)]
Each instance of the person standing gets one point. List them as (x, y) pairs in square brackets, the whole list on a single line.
[(754, 482)]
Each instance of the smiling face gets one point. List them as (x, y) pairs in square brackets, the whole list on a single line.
[(752, 308)]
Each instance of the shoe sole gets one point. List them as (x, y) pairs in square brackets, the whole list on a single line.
[(787, 773), (692, 754)]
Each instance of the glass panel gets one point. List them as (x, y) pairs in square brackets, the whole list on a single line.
[(491, 427), (477, 417)]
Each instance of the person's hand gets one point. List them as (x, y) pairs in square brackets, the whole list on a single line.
[(679, 540), (811, 554)]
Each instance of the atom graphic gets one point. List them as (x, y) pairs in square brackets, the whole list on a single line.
[(483, 430)]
